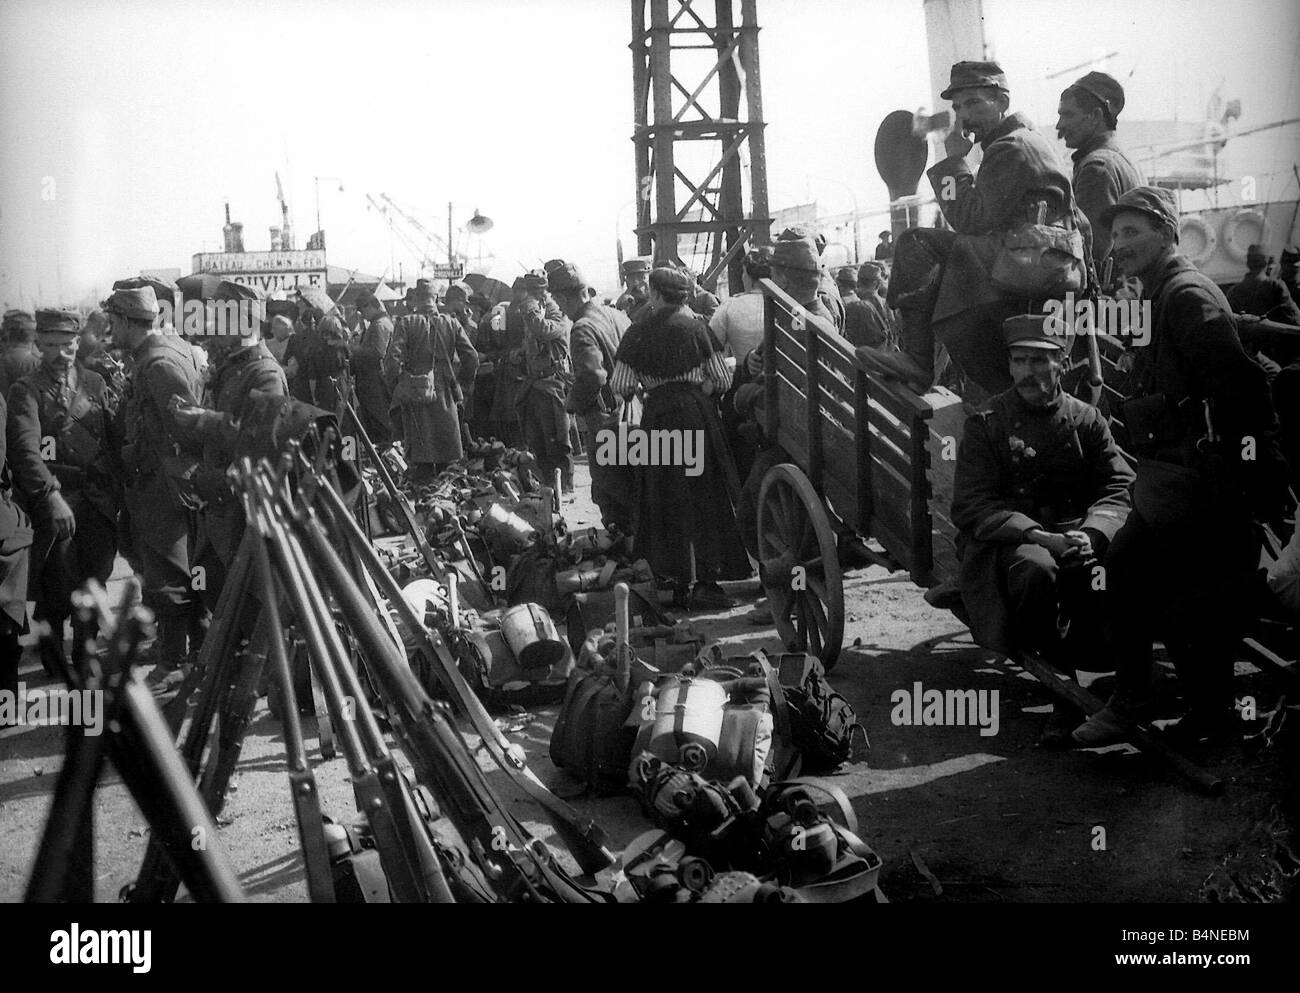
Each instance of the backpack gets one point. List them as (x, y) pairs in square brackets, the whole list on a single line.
[(822, 723)]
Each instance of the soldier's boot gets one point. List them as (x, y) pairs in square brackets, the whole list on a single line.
[(42, 618), (173, 646)]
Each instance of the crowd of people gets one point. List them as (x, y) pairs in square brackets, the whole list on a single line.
[(118, 432)]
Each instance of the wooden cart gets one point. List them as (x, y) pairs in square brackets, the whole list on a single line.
[(866, 461)]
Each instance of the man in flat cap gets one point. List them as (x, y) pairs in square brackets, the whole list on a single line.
[(1087, 116), (1041, 489), (828, 290), (243, 369), (548, 376), (19, 355), (1201, 423), (373, 396), (636, 281), (941, 286), (429, 366), (867, 318), (155, 457), (63, 452), (593, 343), (1260, 294)]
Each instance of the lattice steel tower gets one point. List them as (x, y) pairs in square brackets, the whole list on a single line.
[(694, 162)]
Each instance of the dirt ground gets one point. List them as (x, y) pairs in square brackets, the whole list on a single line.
[(955, 816)]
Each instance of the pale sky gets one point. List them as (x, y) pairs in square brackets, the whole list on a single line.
[(125, 126)]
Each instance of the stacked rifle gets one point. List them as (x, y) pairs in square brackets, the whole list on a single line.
[(304, 562)]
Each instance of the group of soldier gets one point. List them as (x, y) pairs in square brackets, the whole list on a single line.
[(1047, 498), (1080, 543)]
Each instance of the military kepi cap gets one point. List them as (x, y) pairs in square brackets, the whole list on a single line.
[(1032, 331), (631, 266), (535, 279), (869, 271), (1150, 200), (51, 321), (846, 275), (964, 75), (1102, 88), (21, 319), (138, 304), (566, 277)]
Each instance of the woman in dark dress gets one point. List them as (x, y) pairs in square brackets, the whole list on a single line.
[(685, 524)]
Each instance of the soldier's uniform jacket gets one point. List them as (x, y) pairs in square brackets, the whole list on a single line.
[(75, 415), (15, 540), (1020, 168), (1258, 293), (425, 342), (246, 369), (547, 368), (16, 361), (1102, 173), (593, 343), (1194, 357), (1021, 467), (163, 366)]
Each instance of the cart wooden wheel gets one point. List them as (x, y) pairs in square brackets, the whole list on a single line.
[(798, 565)]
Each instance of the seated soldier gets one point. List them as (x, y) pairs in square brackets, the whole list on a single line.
[(1041, 488)]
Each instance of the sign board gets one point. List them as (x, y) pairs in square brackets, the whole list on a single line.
[(444, 271), (269, 272)]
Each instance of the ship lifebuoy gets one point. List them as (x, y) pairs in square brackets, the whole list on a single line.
[(1196, 240), (1235, 242)]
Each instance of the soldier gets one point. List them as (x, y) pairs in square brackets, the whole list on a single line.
[(867, 318), (593, 343), (1041, 489), (940, 286), (846, 280), (1259, 294), (885, 247), (427, 387), (95, 355), (1289, 272), (1087, 116), (20, 355), (242, 365), (507, 342), (548, 374), (154, 458), (1200, 421), (636, 280), (62, 451), (368, 353), (15, 547)]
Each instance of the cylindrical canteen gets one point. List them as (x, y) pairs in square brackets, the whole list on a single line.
[(530, 633)]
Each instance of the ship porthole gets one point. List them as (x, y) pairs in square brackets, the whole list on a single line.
[(1241, 230), (1196, 240)]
